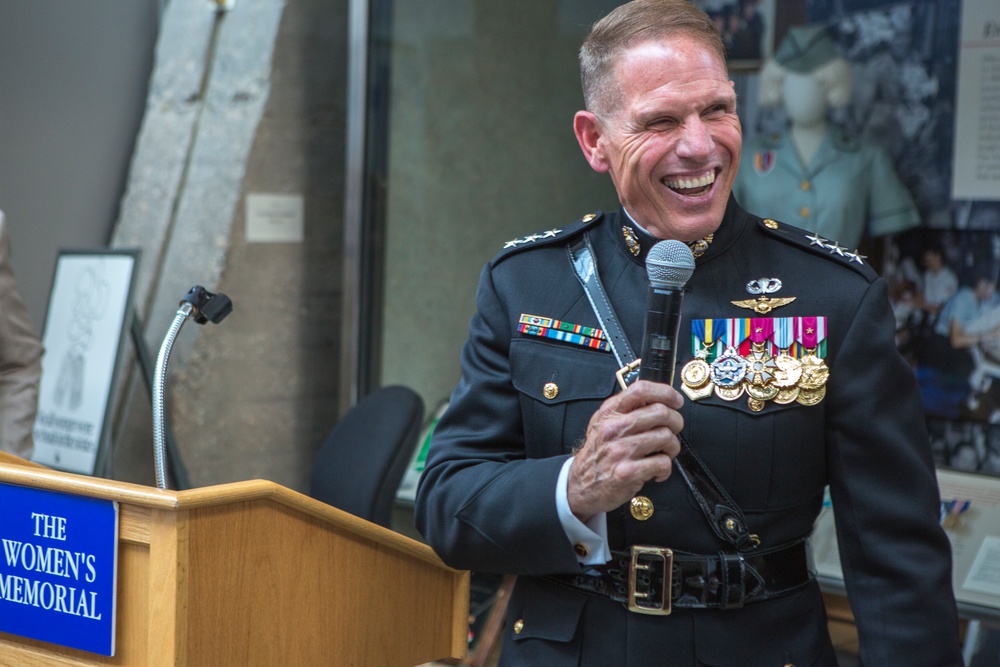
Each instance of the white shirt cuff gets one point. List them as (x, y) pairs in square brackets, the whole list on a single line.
[(590, 539)]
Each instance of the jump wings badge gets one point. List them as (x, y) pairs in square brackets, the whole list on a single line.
[(764, 304)]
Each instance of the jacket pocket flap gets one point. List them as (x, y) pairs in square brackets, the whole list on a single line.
[(572, 374), (543, 610)]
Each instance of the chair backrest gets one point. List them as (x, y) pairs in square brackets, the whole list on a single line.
[(362, 461)]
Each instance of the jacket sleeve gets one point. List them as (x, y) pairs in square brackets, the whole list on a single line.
[(20, 362), (896, 558), (481, 504)]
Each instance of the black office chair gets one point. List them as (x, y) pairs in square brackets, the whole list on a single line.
[(363, 459)]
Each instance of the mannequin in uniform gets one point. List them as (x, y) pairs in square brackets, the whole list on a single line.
[(811, 175)]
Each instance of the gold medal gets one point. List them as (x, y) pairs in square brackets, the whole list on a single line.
[(765, 392), (786, 396), (696, 373), (788, 372), (698, 393), (811, 396), (814, 372), (729, 393), (755, 405)]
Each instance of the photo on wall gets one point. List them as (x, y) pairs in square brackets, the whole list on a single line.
[(944, 293), (747, 29)]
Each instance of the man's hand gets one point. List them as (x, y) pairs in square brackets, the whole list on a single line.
[(631, 439)]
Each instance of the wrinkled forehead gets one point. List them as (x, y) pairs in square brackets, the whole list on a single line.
[(664, 68)]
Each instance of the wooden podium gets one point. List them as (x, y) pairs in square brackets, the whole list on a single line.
[(253, 573)]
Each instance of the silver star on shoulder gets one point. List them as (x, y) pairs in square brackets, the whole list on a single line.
[(856, 257), (513, 243), (834, 247)]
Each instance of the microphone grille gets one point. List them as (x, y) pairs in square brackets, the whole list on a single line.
[(669, 264)]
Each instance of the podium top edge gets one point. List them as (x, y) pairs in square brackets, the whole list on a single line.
[(14, 470)]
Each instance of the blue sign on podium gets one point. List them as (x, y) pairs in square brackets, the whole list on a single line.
[(58, 568)]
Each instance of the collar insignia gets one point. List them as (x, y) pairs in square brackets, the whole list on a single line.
[(699, 247), (632, 241)]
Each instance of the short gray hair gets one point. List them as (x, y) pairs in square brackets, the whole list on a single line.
[(630, 24)]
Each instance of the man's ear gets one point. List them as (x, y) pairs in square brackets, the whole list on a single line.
[(588, 132)]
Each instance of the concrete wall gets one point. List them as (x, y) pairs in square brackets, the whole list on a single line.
[(246, 102), (481, 151), (73, 79)]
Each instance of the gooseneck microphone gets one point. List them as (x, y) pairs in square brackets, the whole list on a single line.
[(669, 266)]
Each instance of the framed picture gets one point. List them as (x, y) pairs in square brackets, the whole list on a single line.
[(943, 290), (90, 307), (747, 28)]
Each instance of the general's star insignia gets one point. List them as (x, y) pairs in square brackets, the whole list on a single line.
[(513, 243), (834, 247), (856, 257)]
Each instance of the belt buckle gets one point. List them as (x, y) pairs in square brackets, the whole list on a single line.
[(657, 605), (625, 372)]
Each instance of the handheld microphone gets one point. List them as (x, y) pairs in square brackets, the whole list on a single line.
[(669, 266)]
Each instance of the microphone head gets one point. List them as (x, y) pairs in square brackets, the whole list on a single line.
[(669, 264)]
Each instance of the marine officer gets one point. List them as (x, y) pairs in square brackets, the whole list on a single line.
[(789, 382)]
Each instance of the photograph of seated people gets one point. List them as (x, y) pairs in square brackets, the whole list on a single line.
[(919, 295), (948, 320), (598, 498)]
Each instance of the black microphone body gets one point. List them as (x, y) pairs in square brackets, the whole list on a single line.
[(669, 265), (659, 339)]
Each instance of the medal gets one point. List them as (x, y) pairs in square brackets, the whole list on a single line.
[(760, 368), (698, 393), (811, 396), (696, 373), (814, 372), (786, 396), (787, 372), (729, 370), (765, 392), (729, 393)]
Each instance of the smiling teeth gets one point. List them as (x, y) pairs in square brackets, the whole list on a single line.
[(688, 183)]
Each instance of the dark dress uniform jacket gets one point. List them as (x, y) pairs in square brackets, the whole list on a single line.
[(486, 500)]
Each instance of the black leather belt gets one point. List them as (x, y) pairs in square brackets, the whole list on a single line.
[(638, 578)]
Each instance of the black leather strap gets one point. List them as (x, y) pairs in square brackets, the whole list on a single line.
[(722, 513), (720, 581), (581, 256)]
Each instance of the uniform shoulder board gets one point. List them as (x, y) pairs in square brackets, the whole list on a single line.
[(818, 245), (548, 237)]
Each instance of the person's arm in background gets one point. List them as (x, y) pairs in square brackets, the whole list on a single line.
[(20, 361)]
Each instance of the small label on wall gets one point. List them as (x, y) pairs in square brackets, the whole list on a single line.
[(274, 218)]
